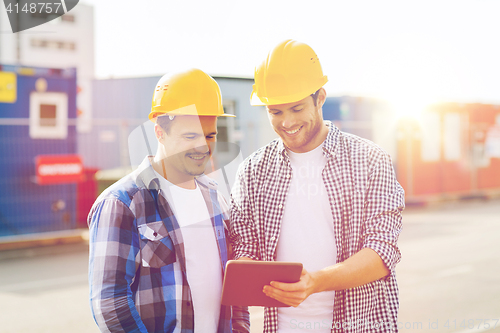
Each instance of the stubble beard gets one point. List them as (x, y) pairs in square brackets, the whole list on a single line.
[(307, 136), (196, 170)]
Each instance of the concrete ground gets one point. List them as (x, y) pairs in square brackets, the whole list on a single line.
[(449, 277)]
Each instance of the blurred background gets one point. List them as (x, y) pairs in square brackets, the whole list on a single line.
[(421, 79)]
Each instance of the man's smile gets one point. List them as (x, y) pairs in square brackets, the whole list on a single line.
[(292, 132)]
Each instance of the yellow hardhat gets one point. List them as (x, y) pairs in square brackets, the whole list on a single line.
[(191, 92), (290, 73)]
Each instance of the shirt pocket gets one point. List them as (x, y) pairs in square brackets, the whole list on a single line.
[(157, 249)]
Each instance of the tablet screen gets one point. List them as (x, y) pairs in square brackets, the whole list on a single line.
[(244, 281)]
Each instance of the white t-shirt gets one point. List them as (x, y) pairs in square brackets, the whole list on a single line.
[(203, 267), (307, 236)]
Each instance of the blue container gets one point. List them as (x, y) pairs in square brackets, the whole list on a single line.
[(331, 109), (26, 206), (351, 114)]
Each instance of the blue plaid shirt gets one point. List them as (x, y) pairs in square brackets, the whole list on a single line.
[(137, 269)]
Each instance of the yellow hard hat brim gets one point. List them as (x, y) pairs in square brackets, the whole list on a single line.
[(189, 110), (255, 100)]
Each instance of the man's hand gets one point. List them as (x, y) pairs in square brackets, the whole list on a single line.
[(362, 268), (292, 293)]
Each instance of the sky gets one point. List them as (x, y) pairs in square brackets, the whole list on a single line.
[(403, 51)]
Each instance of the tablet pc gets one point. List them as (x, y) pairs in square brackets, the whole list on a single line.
[(244, 281)]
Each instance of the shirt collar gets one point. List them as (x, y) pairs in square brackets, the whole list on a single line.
[(329, 145), (146, 176), (332, 139)]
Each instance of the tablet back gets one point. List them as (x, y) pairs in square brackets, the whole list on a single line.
[(244, 281)]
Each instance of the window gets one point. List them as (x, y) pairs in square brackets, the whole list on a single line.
[(431, 137), (43, 15), (53, 44), (48, 115), (452, 137), (68, 18), (225, 126)]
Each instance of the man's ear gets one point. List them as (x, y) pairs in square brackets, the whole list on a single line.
[(159, 132), (321, 97)]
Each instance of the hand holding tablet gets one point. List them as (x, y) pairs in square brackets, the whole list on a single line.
[(244, 281)]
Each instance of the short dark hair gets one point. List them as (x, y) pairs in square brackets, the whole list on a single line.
[(165, 122), (315, 97)]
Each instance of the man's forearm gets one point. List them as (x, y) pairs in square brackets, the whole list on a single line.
[(364, 267)]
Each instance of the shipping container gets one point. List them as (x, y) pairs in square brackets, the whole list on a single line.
[(450, 151), (39, 167)]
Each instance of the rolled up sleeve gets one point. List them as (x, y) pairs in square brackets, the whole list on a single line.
[(384, 204), (242, 232)]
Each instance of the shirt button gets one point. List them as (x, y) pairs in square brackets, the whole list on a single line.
[(188, 303), (273, 238), (287, 176), (280, 206), (155, 234)]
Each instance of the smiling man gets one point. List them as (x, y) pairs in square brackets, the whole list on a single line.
[(318, 196), (157, 237)]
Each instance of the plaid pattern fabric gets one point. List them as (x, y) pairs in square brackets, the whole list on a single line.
[(137, 269), (366, 203)]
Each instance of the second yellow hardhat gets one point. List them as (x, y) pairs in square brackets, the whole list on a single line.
[(291, 72), (191, 92)]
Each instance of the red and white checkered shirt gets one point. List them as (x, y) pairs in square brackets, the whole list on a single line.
[(366, 203)]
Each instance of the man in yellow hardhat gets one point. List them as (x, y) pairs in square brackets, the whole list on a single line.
[(318, 196), (157, 237)]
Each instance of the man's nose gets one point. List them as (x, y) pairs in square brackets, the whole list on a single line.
[(289, 120), (202, 146)]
